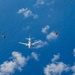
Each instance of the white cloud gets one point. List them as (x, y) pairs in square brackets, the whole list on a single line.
[(26, 28), (52, 2), (44, 30), (56, 68), (34, 55), (7, 68), (51, 36), (40, 44), (22, 10), (56, 57), (19, 59), (73, 69), (35, 16), (39, 2), (17, 62), (27, 13), (42, 2), (74, 52)]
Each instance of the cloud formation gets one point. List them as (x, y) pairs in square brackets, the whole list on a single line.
[(27, 13), (74, 52), (56, 68), (26, 28), (52, 2), (42, 2), (39, 44), (34, 55), (39, 2), (73, 69), (56, 57), (17, 63), (51, 36), (45, 29)]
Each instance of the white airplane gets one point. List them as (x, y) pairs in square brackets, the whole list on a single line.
[(29, 44)]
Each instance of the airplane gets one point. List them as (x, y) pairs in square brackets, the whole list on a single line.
[(56, 33), (4, 35), (29, 44)]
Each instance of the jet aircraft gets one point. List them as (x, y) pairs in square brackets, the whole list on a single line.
[(4, 35), (29, 44), (56, 33)]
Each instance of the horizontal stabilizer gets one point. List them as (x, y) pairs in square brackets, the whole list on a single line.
[(23, 43)]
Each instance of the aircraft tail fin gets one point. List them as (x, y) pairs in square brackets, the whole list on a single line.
[(27, 38)]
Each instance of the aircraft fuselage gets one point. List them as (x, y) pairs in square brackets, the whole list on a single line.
[(29, 43)]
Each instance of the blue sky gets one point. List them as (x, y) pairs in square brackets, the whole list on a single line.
[(54, 54)]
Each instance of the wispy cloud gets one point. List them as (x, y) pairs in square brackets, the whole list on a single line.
[(34, 55), (52, 2), (56, 57), (26, 28), (56, 68), (39, 2), (74, 52), (27, 13), (45, 29), (73, 67), (39, 44), (42, 2), (17, 62), (51, 36)]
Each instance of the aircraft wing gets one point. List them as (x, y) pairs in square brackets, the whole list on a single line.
[(35, 42), (23, 43)]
